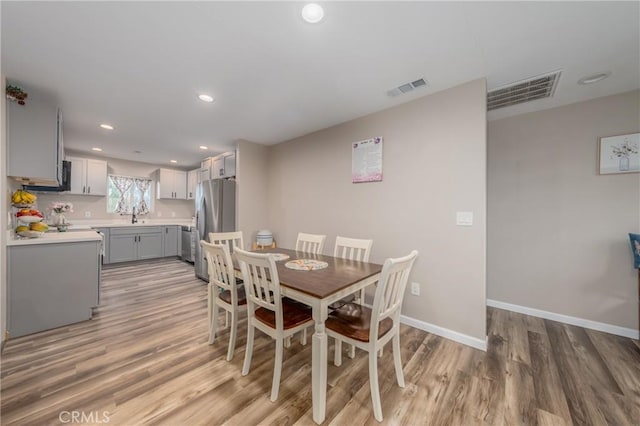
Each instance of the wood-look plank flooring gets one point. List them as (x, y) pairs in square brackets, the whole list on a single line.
[(144, 359)]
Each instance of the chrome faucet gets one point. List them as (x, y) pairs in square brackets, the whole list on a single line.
[(134, 219)]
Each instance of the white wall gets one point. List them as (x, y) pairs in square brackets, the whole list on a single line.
[(434, 165), (557, 231), (97, 206)]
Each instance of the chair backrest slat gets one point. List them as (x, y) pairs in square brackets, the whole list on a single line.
[(220, 266), (310, 243), (352, 249), (233, 240), (261, 282), (390, 290)]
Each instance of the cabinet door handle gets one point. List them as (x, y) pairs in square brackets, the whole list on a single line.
[(88, 190), (83, 189)]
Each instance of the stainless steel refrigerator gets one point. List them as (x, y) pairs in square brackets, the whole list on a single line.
[(215, 212)]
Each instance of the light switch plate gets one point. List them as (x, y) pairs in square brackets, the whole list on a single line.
[(87, 214), (464, 218)]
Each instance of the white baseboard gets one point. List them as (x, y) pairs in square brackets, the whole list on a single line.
[(580, 322), (445, 332)]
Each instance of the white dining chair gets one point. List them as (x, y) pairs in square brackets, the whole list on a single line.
[(310, 243), (351, 249), (371, 329), (267, 310), (223, 292), (233, 240)]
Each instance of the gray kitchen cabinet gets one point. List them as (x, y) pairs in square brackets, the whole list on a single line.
[(135, 243), (88, 176), (171, 240), (34, 140), (51, 285)]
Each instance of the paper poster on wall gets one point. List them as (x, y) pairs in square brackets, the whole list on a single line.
[(366, 161)]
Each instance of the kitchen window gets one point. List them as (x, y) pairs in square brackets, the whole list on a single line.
[(124, 193)]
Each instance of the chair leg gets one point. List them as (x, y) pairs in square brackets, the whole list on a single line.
[(277, 370), (373, 381), (380, 352), (337, 353), (352, 351), (248, 353), (232, 335), (397, 362), (213, 325), (226, 319), (303, 337), (287, 342)]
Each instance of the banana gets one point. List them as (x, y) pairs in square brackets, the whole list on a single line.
[(23, 197)]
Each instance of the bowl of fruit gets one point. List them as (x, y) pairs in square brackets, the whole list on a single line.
[(33, 230), (22, 198), (29, 215)]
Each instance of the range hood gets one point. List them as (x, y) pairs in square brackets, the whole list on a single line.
[(49, 185)]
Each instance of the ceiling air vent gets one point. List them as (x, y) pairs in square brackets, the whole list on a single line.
[(542, 86), (407, 87)]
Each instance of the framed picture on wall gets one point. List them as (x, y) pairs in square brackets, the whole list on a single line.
[(619, 154)]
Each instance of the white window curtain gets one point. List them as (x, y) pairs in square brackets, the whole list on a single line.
[(142, 186), (126, 193), (122, 185)]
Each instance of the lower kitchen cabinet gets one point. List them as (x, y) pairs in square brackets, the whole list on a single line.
[(51, 285), (139, 243), (171, 240)]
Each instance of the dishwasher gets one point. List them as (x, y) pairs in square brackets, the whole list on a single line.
[(189, 237)]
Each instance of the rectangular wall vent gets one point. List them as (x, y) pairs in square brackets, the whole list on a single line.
[(539, 87), (407, 87)]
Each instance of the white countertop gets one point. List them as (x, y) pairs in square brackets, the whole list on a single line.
[(97, 223), (54, 238)]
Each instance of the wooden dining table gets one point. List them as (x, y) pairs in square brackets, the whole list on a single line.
[(318, 289)]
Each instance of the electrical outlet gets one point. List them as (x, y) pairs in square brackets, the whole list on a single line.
[(159, 214), (87, 214), (415, 289), (173, 214)]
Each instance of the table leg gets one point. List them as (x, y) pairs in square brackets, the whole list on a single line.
[(319, 364)]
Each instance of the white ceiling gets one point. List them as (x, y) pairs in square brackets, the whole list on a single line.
[(141, 65)]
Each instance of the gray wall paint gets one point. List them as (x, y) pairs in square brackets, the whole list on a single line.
[(557, 231), (252, 198), (434, 165)]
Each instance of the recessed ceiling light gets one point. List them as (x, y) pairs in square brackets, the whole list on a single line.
[(172, 161), (106, 126), (312, 13), (205, 98), (204, 147), (96, 149), (594, 78)]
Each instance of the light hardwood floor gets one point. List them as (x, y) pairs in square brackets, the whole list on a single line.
[(144, 359)]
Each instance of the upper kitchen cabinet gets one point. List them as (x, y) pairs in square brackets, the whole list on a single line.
[(172, 184), (219, 167), (88, 176), (34, 140), (193, 177)]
